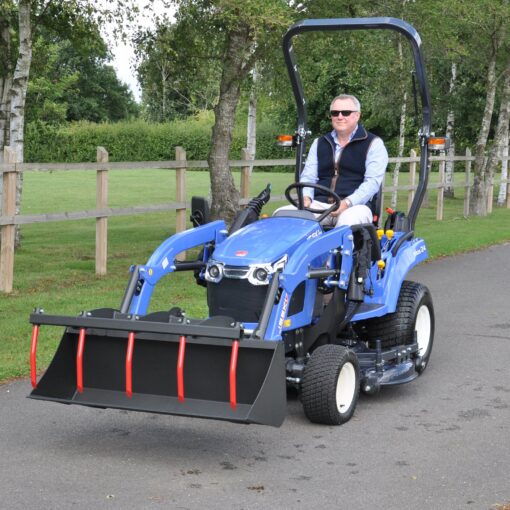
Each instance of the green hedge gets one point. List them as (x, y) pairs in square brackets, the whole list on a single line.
[(138, 141)]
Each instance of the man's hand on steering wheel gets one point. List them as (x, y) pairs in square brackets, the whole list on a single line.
[(305, 202), (344, 205)]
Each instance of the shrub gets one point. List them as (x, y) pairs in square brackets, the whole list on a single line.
[(138, 140)]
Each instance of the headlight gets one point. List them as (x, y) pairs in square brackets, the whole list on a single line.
[(261, 274), (214, 273)]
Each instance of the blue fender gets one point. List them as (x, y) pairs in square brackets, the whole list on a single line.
[(387, 288)]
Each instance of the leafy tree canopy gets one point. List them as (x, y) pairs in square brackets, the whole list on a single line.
[(71, 80)]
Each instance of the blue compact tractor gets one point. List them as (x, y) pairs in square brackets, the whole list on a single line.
[(290, 303)]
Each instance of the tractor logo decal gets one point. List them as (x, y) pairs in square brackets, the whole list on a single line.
[(315, 234), (420, 250), (241, 253), (284, 311)]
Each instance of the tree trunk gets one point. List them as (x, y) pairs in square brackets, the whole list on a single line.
[(165, 75), (402, 130), (450, 133), (501, 136), (478, 198), (251, 129), (401, 144), (225, 196), (504, 111), (19, 86), (504, 169), (17, 95), (163, 93), (5, 107), (5, 87)]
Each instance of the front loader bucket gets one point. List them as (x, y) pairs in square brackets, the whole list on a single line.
[(164, 364)]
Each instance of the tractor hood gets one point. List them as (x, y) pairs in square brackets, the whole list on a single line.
[(265, 241)]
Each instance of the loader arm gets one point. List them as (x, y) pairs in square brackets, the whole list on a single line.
[(163, 260)]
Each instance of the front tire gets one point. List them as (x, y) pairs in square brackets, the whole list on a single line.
[(331, 384)]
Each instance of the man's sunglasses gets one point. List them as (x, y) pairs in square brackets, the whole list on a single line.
[(345, 113)]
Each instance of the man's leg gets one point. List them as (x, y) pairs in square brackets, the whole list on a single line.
[(285, 208), (355, 215)]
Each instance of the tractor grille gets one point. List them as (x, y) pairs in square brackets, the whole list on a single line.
[(236, 298), (236, 272)]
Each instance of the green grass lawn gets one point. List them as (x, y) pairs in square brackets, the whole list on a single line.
[(54, 268)]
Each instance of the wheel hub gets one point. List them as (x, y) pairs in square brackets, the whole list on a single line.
[(423, 329), (345, 387)]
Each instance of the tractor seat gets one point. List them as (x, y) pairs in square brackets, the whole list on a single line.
[(296, 213)]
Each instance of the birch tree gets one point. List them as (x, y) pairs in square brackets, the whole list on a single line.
[(20, 19), (402, 128), (251, 125), (500, 145), (450, 133), (8, 15), (503, 189), (15, 91), (483, 169)]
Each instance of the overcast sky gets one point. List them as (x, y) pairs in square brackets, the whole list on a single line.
[(122, 63), (124, 54)]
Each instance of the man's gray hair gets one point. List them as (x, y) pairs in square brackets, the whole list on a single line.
[(354, 99)]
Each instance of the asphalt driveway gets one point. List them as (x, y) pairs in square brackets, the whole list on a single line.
[(441, 442)]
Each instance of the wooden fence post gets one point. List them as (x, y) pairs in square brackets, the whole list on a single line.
[(101, 203), (245, 175), (440, 191), (8, 231), (180, 195), (467, 187), (412, 179)]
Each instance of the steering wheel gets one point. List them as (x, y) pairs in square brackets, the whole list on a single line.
[(300, 204)]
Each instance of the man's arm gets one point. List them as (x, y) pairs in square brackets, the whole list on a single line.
[(375, 167)]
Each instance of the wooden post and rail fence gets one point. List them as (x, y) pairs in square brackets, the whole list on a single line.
[(10, 168)]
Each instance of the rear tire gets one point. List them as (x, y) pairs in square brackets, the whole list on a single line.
[(331, 382), (415, 312)]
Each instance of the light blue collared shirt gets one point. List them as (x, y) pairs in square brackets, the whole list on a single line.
[(375, 167)]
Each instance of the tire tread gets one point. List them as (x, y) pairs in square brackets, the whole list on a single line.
[(319, 384), (396, 328)]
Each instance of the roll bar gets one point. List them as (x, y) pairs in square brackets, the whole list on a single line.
[(321, 25)]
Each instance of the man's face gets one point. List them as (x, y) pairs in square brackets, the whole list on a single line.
[(344, 126)]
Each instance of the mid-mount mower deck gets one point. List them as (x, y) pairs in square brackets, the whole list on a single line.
[(328, 312)]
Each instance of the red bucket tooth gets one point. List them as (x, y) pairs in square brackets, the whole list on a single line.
[(233, 374), (79, 360), (129, 364), (33, 355), (180, 368)]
